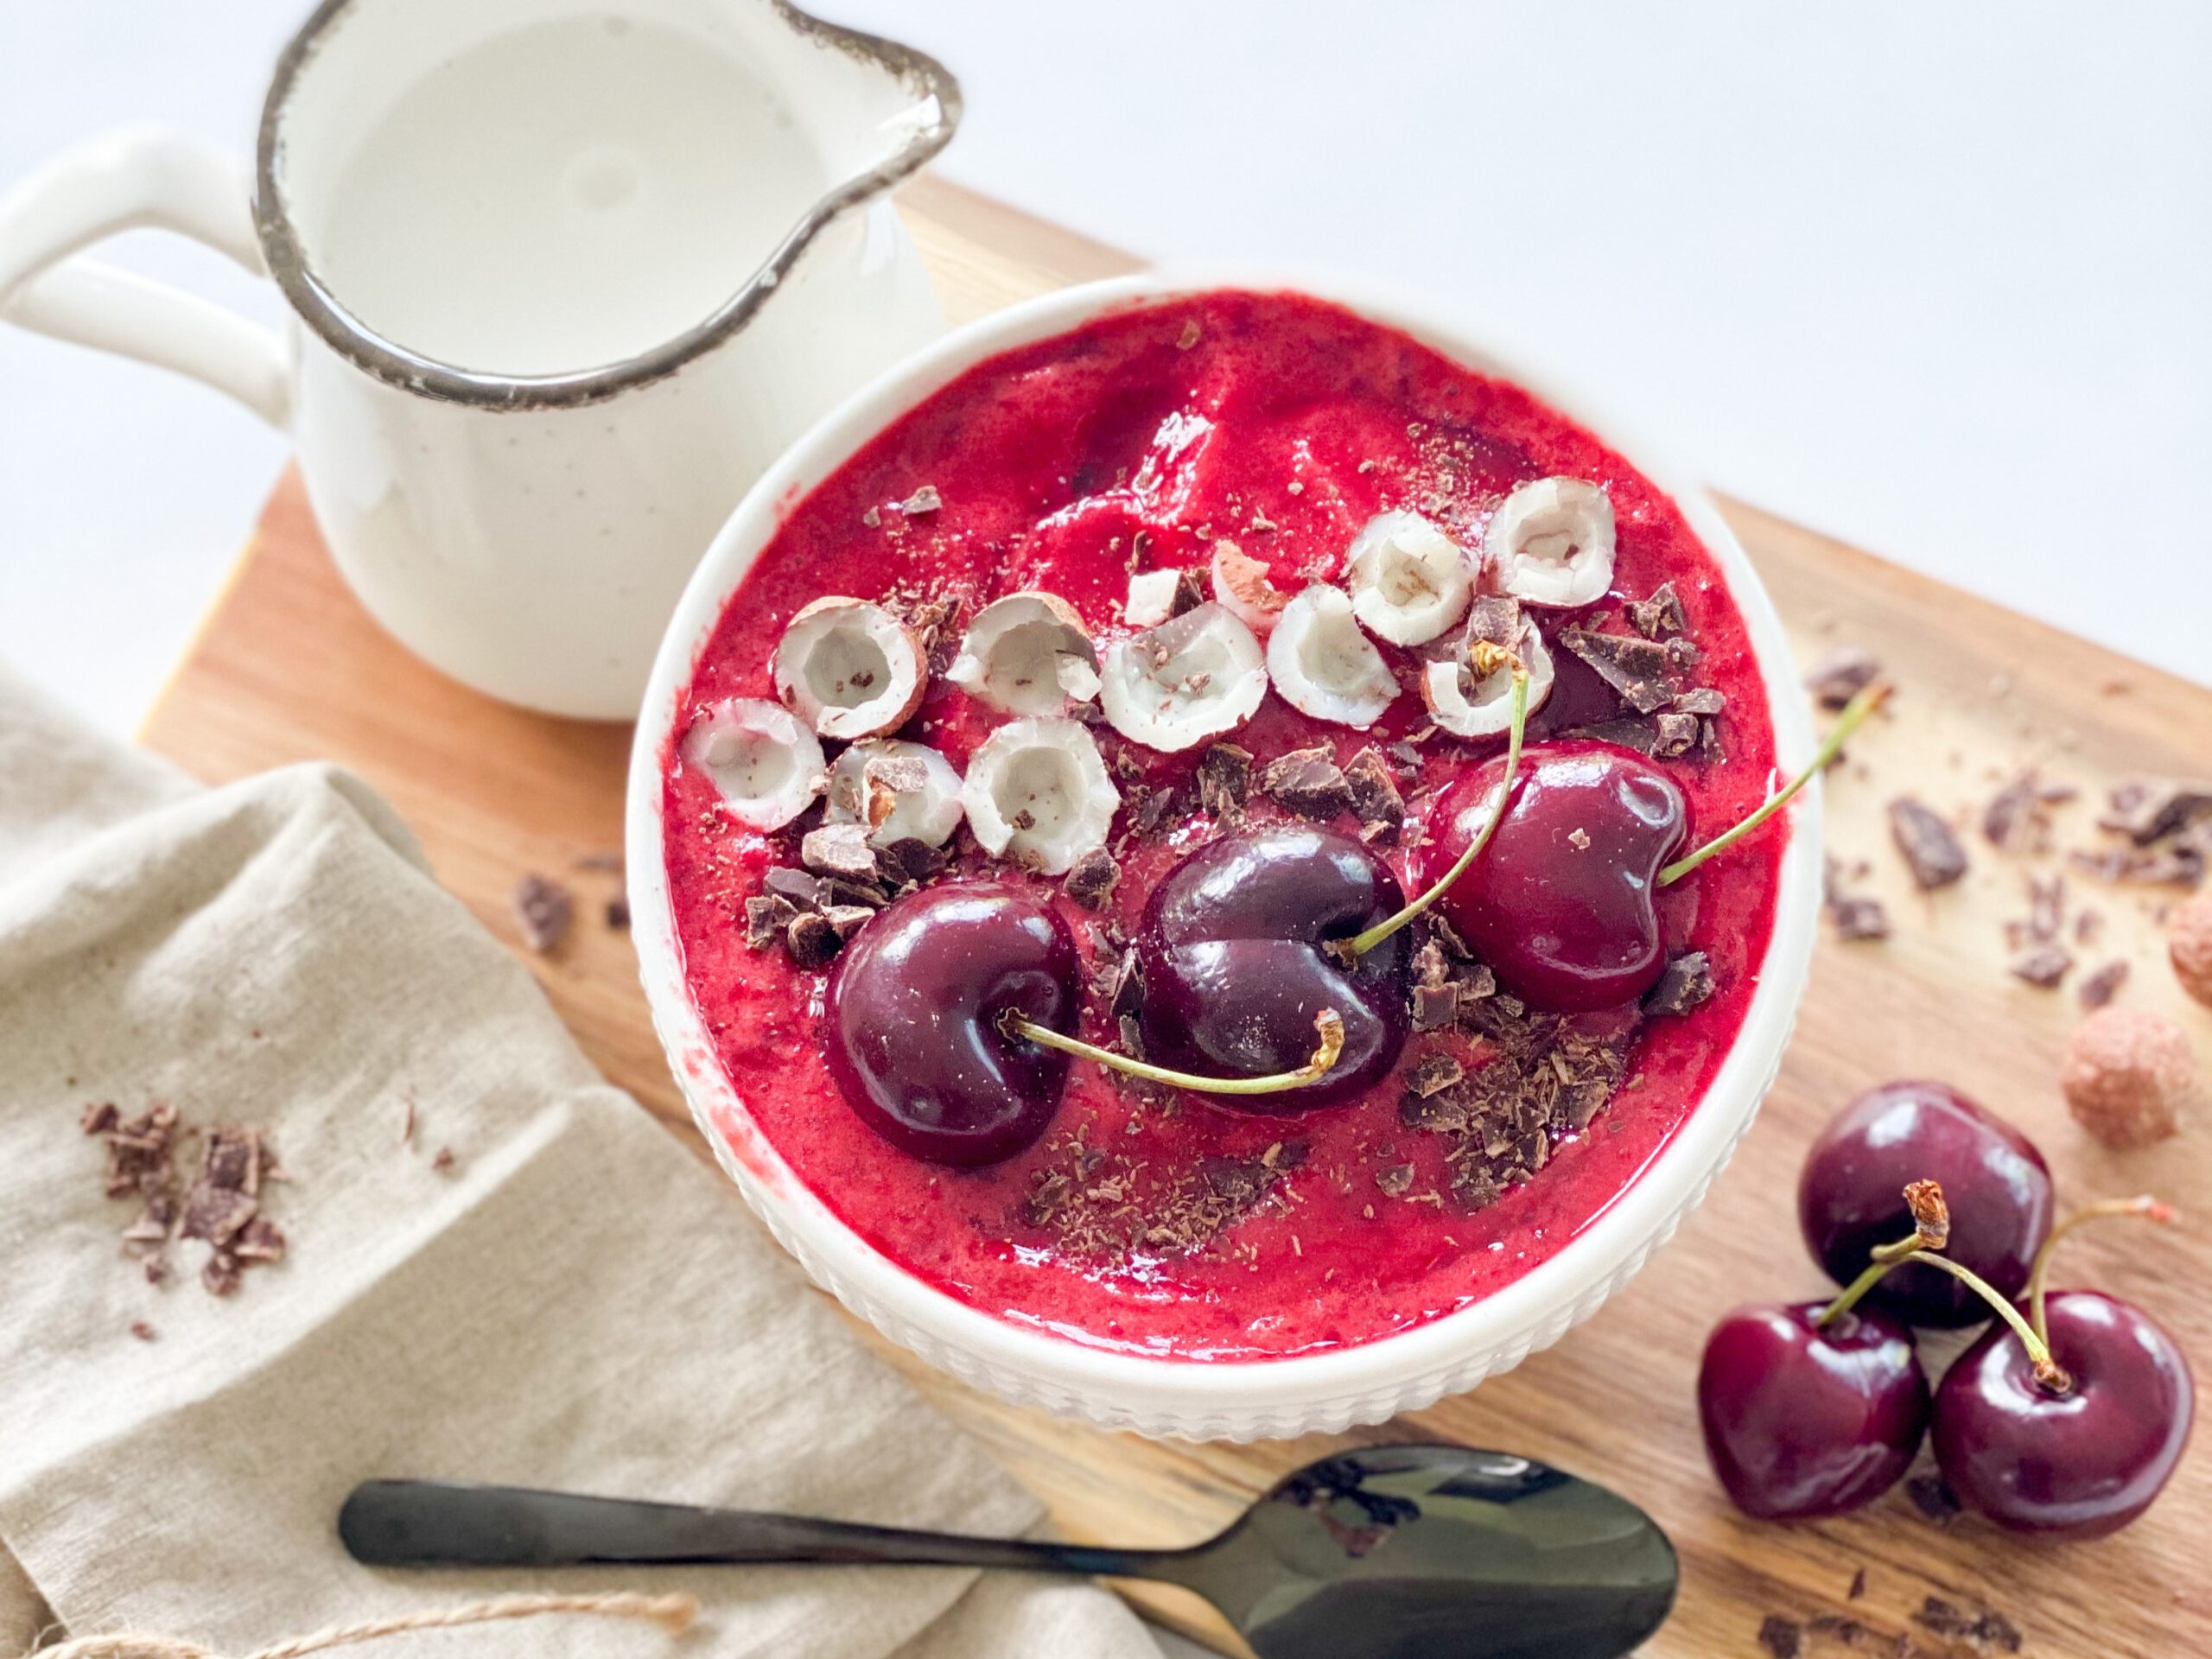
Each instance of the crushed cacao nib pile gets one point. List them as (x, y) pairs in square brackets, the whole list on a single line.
[(221, 1205)]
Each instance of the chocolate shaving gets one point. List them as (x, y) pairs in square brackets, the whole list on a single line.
[(910, 862), (1309, 782), (1858, 1586), (1840, 674), (1190, 591), (2100, 986), (1091, 882), (1635, 668), (1700, 700), (811, 939), (1434, 1072), (1435, 1006), (1935, 1500), (1494, 618), (1225, 777), (1931, 852), (926, 499), (767, 916), (1783, 1639), (2015, 820), (617, 915), (800, 890), (1375, 795), (2146, 809), (1989, 1630), (2042, 963), (543, 909), (1393, 1179), (1659, 614), (1642, 735), (144, 1331), (1672, 734), (838, 849), (845, 920), (1685, 983), (1856, 916)]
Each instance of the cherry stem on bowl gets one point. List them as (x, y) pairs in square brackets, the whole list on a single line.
[(1870, 698), (2145, 1208), (1353, 949), (1931, 1220), (1328, 1025)]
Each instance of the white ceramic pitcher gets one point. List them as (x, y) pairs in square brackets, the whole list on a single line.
[(527, 530)]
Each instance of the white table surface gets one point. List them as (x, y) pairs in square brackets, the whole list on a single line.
[(1937, 279)]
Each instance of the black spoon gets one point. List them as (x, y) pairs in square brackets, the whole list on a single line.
[(1388, 1552)]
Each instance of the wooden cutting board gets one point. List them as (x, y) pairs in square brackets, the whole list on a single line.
[(289, 668)]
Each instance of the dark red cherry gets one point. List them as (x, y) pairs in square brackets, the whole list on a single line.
[(914, 1005), (1803, 1421), (1560, 903), (1233, 954), (1849, 1197), (2078, 1464)]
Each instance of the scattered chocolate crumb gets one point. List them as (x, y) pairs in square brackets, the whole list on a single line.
[(873, 518), (1940, 1617), (1931, 852), (1935, 1500), (812, 939), (1375, 795), (1782, 1637), (2041, 962), (442, 1162), (1395, 1179), (926, 499), (1858, 1586), (1840, 674), (1494, 618), (1190, 591), (1189, 337), (1635, 668), (1660, 614), (800, 890), (845, 920), (1224, 778), (544, 910), (606, 860), (144, 1331), (2017, 820), (1700, 700), (1642, 735), (2100, 986), (1434, 1072), (222, 1274), (617, 915), (1685, 983), (2146, 809), (98, 1118), (838, 849), (1309, 782), (767, 916), (1435, 1006), (1091, 882), (910, 861), (1856, 916), (1672, 734)]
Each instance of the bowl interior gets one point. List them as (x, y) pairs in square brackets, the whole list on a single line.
[(1288, 1392)]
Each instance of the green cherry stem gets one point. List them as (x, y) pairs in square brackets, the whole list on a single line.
[(2145, 1209), (1328, 1025), (1358, 946), (1869, 699)]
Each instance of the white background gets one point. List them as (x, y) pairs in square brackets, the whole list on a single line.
[(1937, 278)]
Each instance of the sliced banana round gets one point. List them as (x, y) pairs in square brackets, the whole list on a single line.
[(1551, 542), (1409, 581), (1152, 597), (901, 790), (1028, 654), (1323, 665), (1037, 792), (1193, 677), (1466, 706), (766, 765), (1243, 584), (850, 669)]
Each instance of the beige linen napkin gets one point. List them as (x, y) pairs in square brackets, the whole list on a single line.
[(573, 1300)]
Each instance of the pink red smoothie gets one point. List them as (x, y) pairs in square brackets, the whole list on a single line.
[(1134, 443)]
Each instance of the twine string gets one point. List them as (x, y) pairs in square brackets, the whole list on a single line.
[(672, 1613)]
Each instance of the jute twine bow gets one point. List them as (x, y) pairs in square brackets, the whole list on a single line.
[(672, 1613)]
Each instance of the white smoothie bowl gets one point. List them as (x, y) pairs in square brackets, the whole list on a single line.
[(1244, 1400)]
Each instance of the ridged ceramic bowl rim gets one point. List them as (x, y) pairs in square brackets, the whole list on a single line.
[(1249, 1399)]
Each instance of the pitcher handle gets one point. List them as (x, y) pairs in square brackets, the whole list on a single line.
[(125, 181)]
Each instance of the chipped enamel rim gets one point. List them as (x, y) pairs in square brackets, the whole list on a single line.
[(1243, 1398)]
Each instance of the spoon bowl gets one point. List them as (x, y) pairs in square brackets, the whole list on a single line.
[(1388, 1552)]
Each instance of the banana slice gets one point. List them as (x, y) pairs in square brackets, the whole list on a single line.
[(1191, 678), (1037, 792), (1323, 666), (1409, 581), (1242, 584), (901, 790), (1465, 707), (850, 668), (1028, 654), (1551, 542), (766, 765)]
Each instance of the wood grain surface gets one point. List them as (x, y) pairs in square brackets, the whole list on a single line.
[(289, 668)]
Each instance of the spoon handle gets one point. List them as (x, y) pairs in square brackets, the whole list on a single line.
[(439, 1523)]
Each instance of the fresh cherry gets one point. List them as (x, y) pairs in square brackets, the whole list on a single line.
[(1233, 954), (2079, 1461), (1999, 1187), (916, 1006), (1560, 903), (1804, 1419)]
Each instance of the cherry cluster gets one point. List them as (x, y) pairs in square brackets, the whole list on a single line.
[(2065, 1417)]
